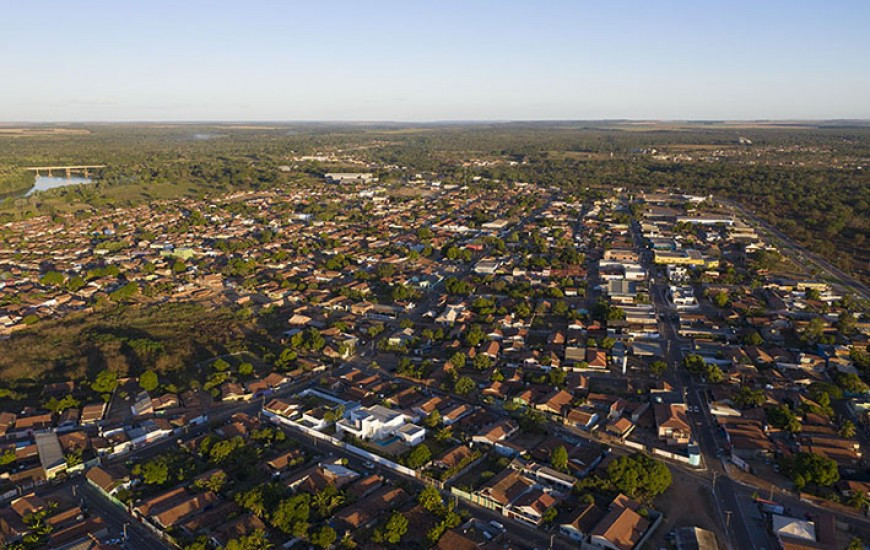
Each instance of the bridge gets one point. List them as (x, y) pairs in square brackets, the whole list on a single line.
[(69, 170)]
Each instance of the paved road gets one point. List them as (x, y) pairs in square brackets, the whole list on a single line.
[(138, 537), (740, 527), (803, 255)]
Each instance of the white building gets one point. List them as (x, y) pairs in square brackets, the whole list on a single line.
[(683, 297), (375, 422)]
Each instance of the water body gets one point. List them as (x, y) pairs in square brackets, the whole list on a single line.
[(44, 183)]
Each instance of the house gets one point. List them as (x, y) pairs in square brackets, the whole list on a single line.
[(621, 427), (142, 405), (93, 413), (366, 510), (672, 423), (411, 434), (453, 457), (581, 419), (582, 521), (555, 402), (622, 528), (498, 431), (109, 481), (375, 422), (531, 506)]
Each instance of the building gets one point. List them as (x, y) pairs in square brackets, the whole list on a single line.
[(375, 422), (673, 423)]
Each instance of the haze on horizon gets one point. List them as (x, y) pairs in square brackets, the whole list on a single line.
[(407, 61)]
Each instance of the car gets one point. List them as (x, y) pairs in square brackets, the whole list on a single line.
[(369, 464)]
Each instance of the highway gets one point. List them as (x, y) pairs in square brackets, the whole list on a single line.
[(804, 256)]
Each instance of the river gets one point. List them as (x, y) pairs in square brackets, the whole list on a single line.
[(44, 183)]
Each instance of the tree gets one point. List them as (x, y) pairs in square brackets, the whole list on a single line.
[(419, 456), (246, 369), (846, 324), (806, 468), (482, 362), (754, 339), (721, 299), (155, 472), (458, 359), (57, 406), (847, 430), (213, 483), (324, 537), (747, 398), (106, 382), (559, 458), (464, 385), (220, 365), (851, 383), (148, 381), (783, 418), (658, 367), (395, 528), (549, 516), (75, 283), (256, 540), (430, 499), (639, 475), (433, 420), (858, 499), (855, 544), (291, 515), (52, 278), (814, 330)]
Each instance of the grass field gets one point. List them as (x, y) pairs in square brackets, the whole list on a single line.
[(171, 338)]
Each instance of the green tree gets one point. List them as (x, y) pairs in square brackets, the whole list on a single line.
[(52, 278), (148, 381), (75, 283), (324, 537), (482, 362), (433, 420), (419, 456), (747, 397), (155, 472), (105, 382), (847, 429), (292, 514), (639, 475), (559, 458), (721, 299), (754, 339), (658, 367), (806, 468), (256, 540), (395, 528), (784, 418), (464, 385), (430, 499), (458, 359), (220, 365), (246, 369)]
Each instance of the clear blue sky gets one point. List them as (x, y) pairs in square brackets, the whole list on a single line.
[(80, 60)]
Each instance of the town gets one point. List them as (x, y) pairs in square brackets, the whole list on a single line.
[(427, 362)]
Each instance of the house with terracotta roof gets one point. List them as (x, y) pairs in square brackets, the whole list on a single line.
[(499, 431), (672, 423), (622, 528)]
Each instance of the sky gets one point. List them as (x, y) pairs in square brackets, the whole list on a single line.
[(413, 60)]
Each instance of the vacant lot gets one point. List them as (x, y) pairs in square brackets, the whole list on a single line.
[(171, 338)]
